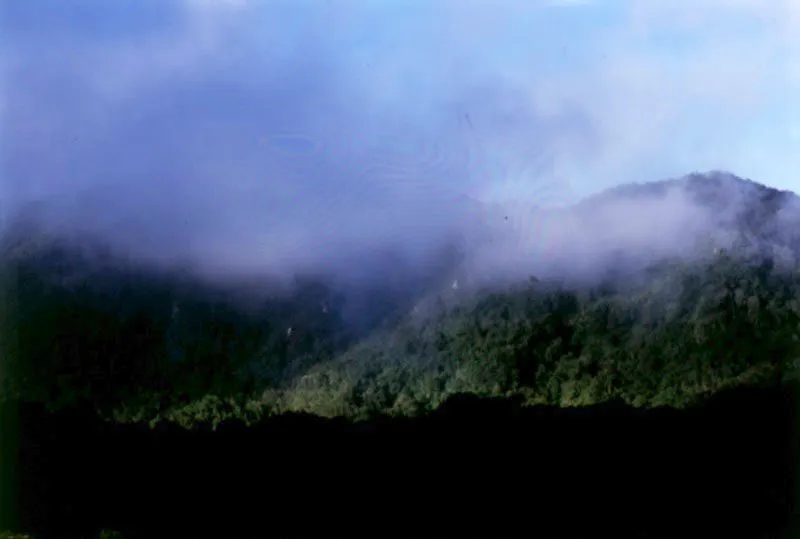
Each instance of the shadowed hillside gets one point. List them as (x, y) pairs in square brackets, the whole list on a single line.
[(668, 325)]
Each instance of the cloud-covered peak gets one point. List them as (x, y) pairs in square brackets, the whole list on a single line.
[(244, 135)]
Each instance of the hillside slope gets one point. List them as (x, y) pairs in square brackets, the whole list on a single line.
[(656, 318)]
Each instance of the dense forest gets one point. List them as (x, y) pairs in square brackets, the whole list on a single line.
[(81, 324)]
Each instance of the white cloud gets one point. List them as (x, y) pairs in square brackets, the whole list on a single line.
[(562, 102)]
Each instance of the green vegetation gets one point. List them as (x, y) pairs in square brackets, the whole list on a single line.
[(690, 331), (80, 326)]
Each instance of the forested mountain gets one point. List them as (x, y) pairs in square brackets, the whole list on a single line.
[(653, 308)]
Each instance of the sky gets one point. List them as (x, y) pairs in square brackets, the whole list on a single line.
[(247, 130)]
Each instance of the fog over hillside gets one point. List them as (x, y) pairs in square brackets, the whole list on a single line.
[(250, 146), (631, 226), (481, 310), (453, 237), (243, 138), (620, 231)]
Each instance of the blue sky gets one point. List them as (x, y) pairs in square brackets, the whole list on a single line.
[(178, 121)]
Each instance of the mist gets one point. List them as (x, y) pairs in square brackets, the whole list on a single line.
[(349, 139), (623, 230)]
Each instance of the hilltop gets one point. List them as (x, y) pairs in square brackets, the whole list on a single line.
[(683, 287)]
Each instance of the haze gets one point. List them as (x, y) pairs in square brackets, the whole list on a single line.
[(245, 136)]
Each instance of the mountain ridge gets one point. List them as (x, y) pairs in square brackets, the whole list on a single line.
[(736, 202), (117, 324)]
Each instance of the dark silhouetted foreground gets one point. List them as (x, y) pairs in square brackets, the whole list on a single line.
[(473, 466)]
